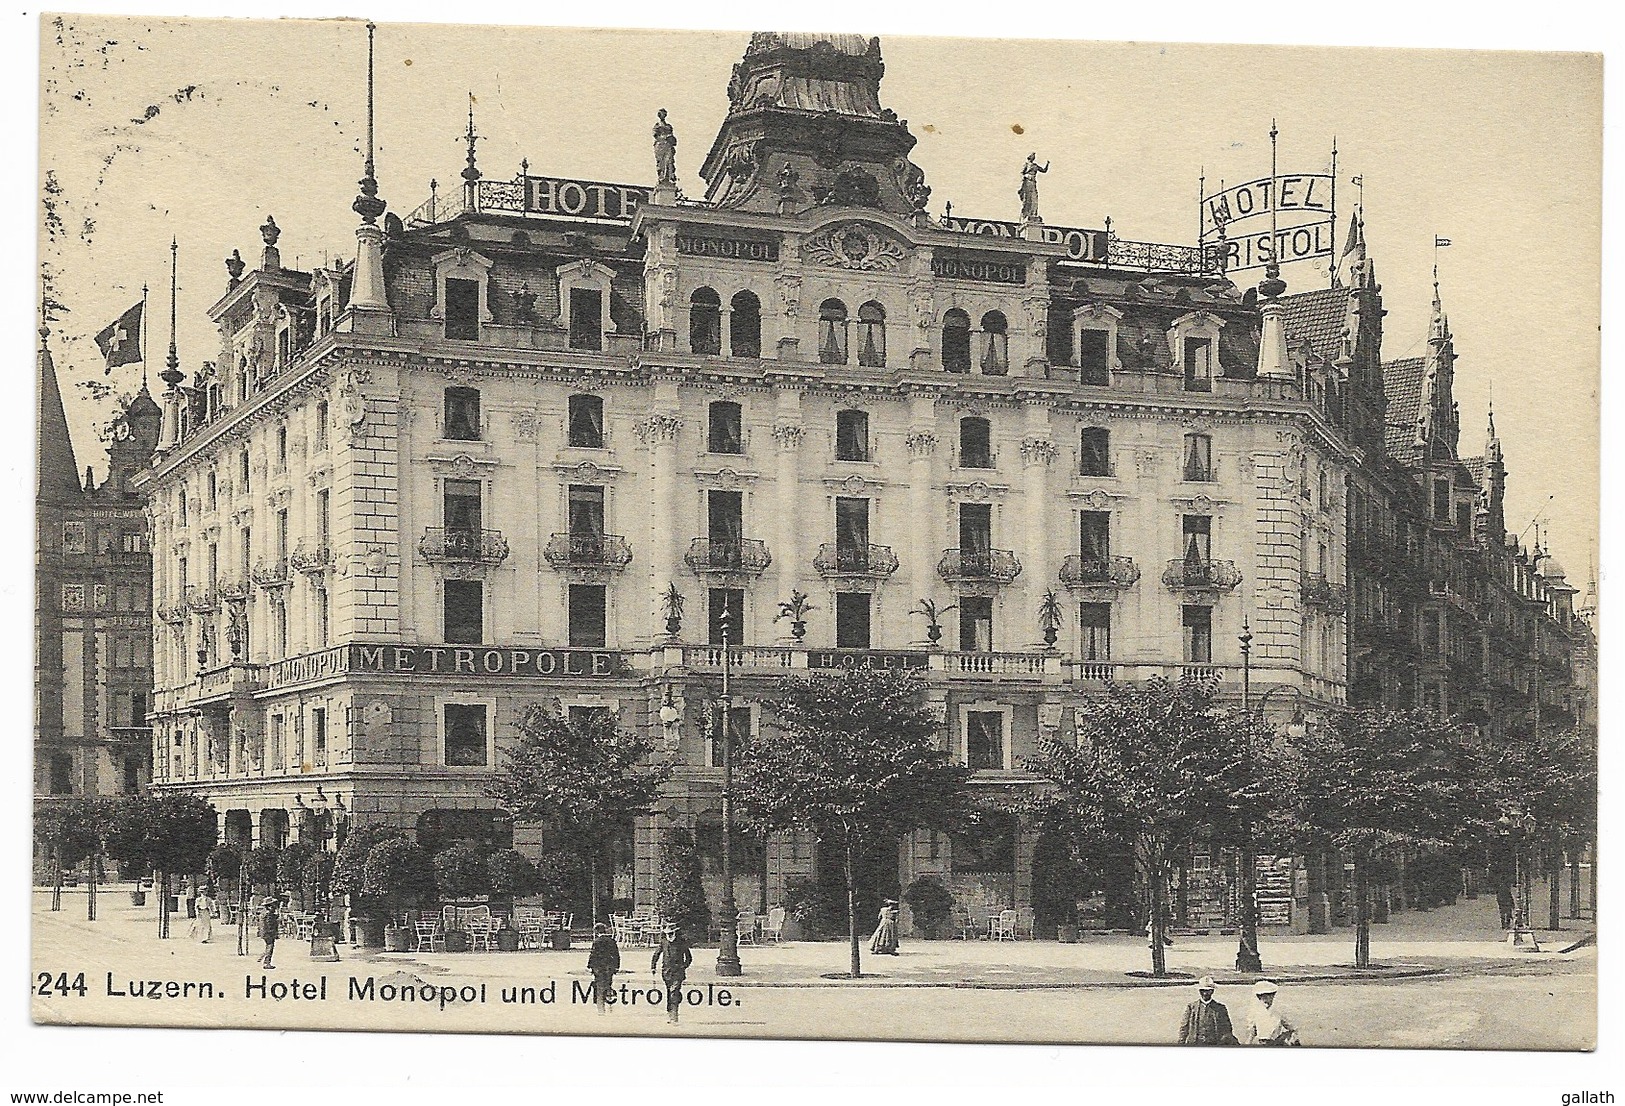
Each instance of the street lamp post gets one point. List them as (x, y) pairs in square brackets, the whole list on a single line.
[(1247, 957), (323, 947), (728, 930)]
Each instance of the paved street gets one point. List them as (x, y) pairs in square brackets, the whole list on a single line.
[(1480, 995)]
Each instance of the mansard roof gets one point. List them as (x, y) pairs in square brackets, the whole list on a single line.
[(1402, 385), (1318, 317)]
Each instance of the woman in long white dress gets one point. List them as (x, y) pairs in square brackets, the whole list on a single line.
[(1265, 1026), (203, 926), (884, 942)]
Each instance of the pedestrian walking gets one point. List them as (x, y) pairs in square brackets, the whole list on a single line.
[(1265, 1025), (884, 942), (203, 924), (1207, 1022), (269, 922), (671, 961), (603, 962), (1502, 870)]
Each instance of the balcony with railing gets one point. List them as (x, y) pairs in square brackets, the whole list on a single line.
[(202, 599), (835, 561), (463, 546), (984, 566), (602, 551), (272, 574), (1082, 571), (313, 560), (235, 591), (1190, 574), (1318, 591), (741, 556)]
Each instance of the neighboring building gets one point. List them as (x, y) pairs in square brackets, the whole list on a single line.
[(92, 606), (419, 492)]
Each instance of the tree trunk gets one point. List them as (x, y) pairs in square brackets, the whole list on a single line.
[(1362, 912), (1157, 927), (56, 876), (1554, 869), (852, 911), (163, 904), (592, 884), (90, 885), (761, 894), (1593, 851), (1574, 877)]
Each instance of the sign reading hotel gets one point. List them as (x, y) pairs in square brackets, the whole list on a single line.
[(580, 199), (1080, 245), (479, 660), (1307, 201), (832, 658)]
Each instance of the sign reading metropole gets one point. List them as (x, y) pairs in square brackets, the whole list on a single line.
[(1307, 202)]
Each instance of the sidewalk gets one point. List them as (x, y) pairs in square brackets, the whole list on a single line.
[(1415, 944)]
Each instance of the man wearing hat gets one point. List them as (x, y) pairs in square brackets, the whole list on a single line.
[(269, 923), (1206, 1022), (1265, 1026), (672, 959), (603, 962)]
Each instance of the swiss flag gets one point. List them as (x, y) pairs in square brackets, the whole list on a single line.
[(120, 341)]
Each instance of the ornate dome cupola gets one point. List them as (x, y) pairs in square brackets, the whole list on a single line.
[(805, 127)]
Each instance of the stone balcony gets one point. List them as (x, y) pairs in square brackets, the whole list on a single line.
[(601, 551), (202, 600), (456, 545), (1321, 592), (1080, 571), (982, 566), (1187, 574), (797, 659), (835, 561), (272, 574), (744, 556), (312, 560)]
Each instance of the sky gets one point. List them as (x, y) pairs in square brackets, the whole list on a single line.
[(199, 129)]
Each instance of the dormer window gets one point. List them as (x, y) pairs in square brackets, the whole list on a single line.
[(584, 295), (461, 299), (462, 414), (1198, 371), (1095, 330)]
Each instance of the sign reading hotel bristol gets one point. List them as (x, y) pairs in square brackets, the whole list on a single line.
[(1307, 201)]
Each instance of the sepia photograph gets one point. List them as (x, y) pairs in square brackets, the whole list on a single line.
[(815, 535)]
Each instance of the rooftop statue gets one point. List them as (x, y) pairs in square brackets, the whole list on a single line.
[(665, 151), (1029, 187)]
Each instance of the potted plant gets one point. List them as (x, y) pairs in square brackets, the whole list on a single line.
[(510, 875), (399, 872), (672, 602), (932, 614), (931, 905), (349, 879), (1050, 617), (796, 609), (290, 871), (460, 872)]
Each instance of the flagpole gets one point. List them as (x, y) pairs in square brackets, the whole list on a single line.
[(1335, 258), (143, 334)]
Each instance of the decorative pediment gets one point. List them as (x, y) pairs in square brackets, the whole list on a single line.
[(1094, 499), (726, 479), (587, 472), (975, 491), (858, 246), (853, 485), (460, 465)]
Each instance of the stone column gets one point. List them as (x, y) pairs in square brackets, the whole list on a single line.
[(788, 553), (923, 554), (659, 433), (1038, 569)]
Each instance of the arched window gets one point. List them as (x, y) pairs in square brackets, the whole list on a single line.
[(995, 344), (851, 436), (586, 429), (705, 322), (832, 332), (975, 443), (745, 325), (1095, 452), (726, 432), (872, 336), (956, 341)]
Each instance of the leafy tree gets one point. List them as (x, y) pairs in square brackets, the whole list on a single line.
[(349, 867), (680, 895), (580, 778), (167, 834), (460, 871), (290, 869), (855, 760), (1161, 764), (264, 863), (1553, 777), (931, 904), (70, 832), (224, 867), (1375, 783), (399, 872), (1059, 878), (510, 874)]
